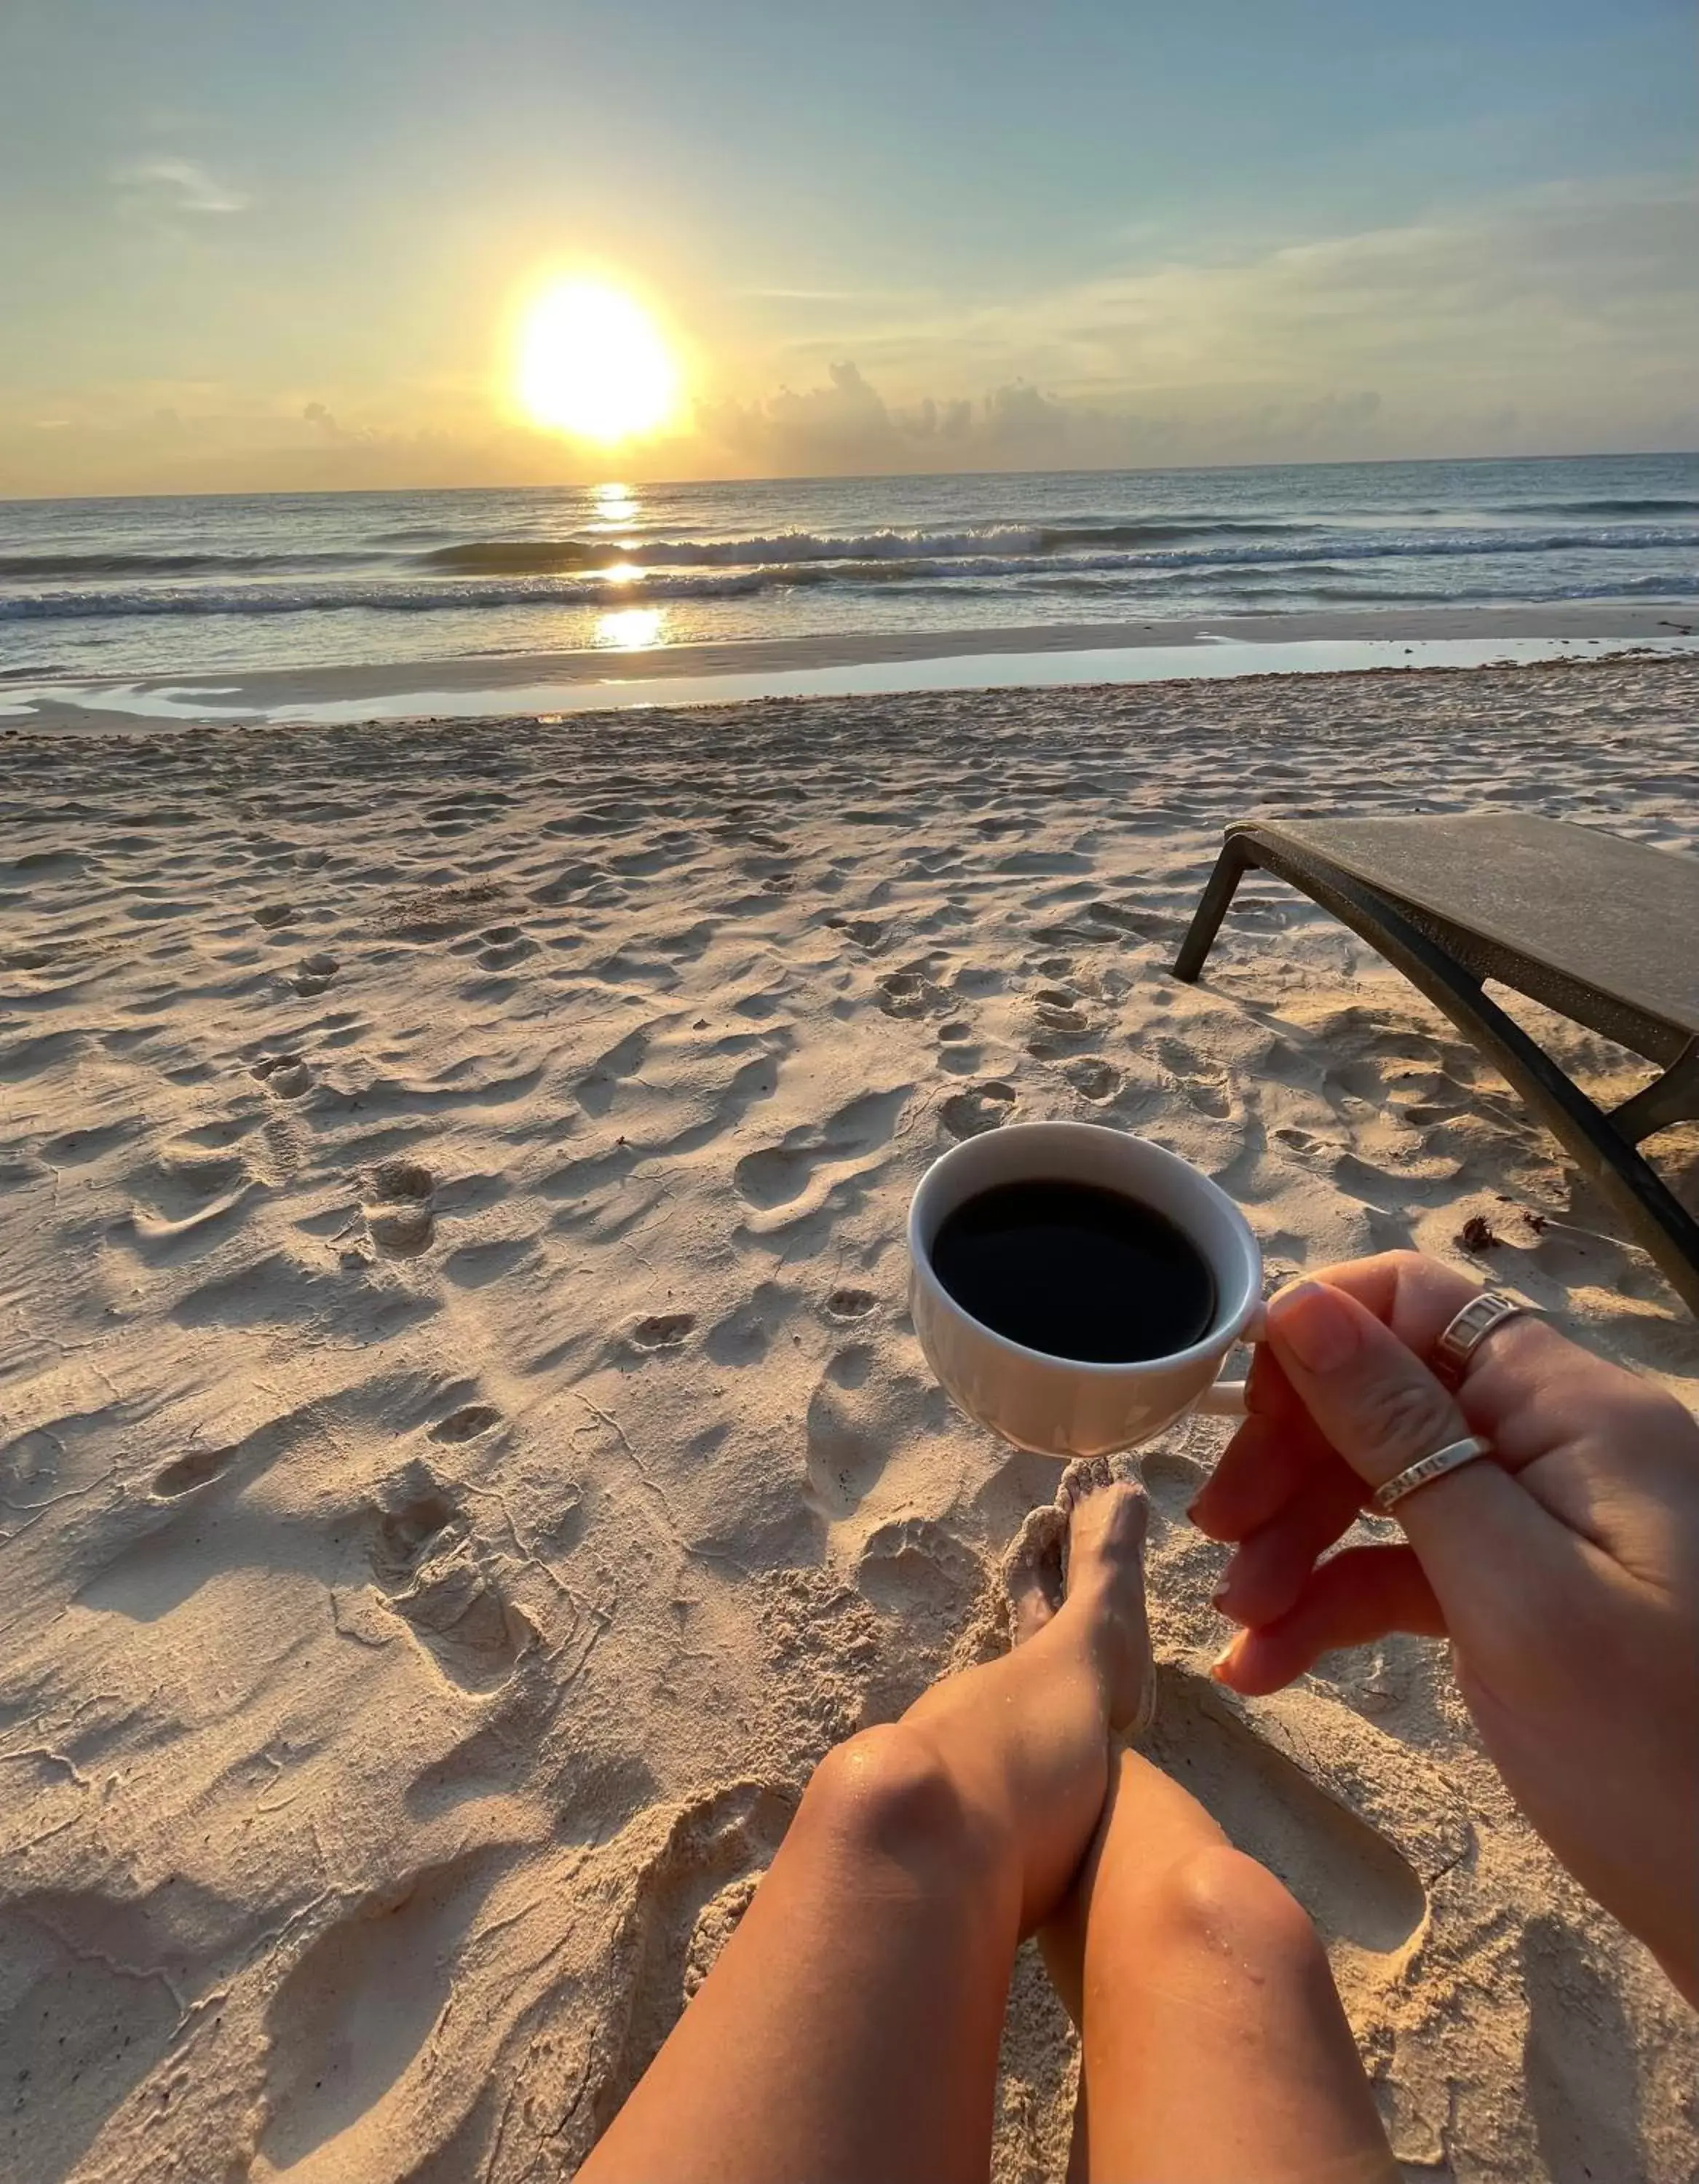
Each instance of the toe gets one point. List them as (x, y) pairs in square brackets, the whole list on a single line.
[(1084, 1475)]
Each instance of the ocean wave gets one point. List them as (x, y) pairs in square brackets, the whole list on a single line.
[(421, 579), (549, 556), (397, 598), (1245, 566), (45, 567), (1667, 506), (542, 556), (1319, 582), (1009, 546)]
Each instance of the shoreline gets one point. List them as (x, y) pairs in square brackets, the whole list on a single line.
[(861, 664)]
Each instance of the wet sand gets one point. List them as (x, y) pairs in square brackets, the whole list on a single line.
[(859, 664)]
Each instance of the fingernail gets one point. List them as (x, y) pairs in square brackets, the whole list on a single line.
[(1316, 1324)]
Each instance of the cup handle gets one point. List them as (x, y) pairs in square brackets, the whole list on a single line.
[(1225, 1399)]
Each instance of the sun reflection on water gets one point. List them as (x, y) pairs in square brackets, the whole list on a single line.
[(615, 506), (631, 629)]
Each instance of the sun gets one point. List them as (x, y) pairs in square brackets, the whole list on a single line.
[(591, 361)]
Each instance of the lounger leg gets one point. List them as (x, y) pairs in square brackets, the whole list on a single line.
[(1672, 1098), (1206, 924)]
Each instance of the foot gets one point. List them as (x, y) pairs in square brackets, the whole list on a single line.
[(1033, 1570), (1083, 1558)]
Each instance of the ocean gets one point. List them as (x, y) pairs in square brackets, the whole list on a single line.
[(182, 586)]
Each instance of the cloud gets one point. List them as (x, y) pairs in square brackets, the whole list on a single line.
[(847, 426), (1559, 323), (180, 186), (1566, 293), (338, 434)]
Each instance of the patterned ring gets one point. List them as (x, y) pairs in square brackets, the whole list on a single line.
[(1426, 1469), (1467, 1330)]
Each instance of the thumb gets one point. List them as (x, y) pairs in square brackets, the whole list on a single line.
[(1376, 1402)]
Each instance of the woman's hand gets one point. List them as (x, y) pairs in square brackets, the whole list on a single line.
[(1564, 1569)]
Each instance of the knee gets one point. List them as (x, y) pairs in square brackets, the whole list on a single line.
[(1221, 1903), (886, 1796)]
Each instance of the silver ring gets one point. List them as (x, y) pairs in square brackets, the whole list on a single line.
[(1427, 1468), (1467, 1330)]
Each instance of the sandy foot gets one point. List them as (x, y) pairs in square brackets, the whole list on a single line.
[(1086, 1549)]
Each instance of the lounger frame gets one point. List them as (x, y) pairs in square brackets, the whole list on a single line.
[(1448, 962)]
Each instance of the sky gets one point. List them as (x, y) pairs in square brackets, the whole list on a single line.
[(246, 247)]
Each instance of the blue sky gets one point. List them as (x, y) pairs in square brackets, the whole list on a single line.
[(254, 245)]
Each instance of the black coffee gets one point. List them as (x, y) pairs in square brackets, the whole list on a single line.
[(1075, 1271)]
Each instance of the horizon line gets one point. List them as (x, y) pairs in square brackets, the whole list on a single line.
[(856, 478)]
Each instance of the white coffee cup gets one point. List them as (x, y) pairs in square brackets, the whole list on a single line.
[(1067, 1407)]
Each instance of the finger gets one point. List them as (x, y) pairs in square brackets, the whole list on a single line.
[(1262, 1467), (1381, 1409), (1270, 1569), (1376, 1402), (1270, 1456), (1416, 1297), (1357, 1596)]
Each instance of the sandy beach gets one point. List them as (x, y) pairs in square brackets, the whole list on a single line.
[(464, 1456)]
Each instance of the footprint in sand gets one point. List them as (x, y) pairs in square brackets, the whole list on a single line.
[(399, 1216), (662, 1330), (958, 1052), (313, 973), (503, 946), (353, 2012), (746, 1333), (849, 1434), (284, 1074), (689, 1894), (425, 1561), (1203, 1084), (1143, 924), (1057, 1009), (466, 1424), (903, 994), (846, 1146), (1093, 1078), (271, 915), (916, 1569), (199, 1468), (850, 1304), (1359, 1852), (980, 1108)]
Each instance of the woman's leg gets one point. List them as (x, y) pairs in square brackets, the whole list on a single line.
[(850, 2028), (1214, 2048)]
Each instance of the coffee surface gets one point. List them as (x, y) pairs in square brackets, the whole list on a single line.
[(1076, 1270)]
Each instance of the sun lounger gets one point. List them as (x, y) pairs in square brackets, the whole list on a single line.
[(1602, 930)]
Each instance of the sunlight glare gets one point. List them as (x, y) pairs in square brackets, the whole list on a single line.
[(617, 507), (592, 362), (632, 629)]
